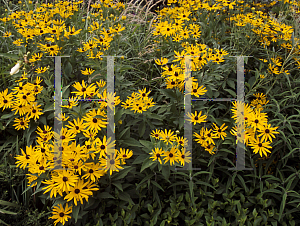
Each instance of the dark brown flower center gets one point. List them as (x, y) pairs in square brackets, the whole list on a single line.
[(91, 171), (260, 144), (171, 155), (267, 131), (77, 191), (65, 179), (94, 120), (102, 147), (61, 214)]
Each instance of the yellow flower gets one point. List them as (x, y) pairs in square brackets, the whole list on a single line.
[(156, 154), (61, 214), (197, 118), (162, 61), (87, 71), (41, 70), (7, 34)]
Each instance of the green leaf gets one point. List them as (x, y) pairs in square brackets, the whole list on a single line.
[(147, 144), (126, 197), (166, 171), (282, 205), (122, 173), (233, 94), (49, 107), (10, 56), (6, 116), (142, 128), (157, 185), (68, 70), (169, 93), (132, 142), (105, 195), (118, 185), (252, 81), (141, 158), (75, 212), (5, 203), (146, 164), (7, 212)]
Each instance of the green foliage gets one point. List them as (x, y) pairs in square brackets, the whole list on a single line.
[(146, 192)]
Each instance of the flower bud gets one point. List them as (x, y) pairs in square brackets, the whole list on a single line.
[(15, 69)]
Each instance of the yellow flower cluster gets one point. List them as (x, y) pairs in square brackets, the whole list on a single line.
[(175, 152), (139, 101), (79, 176), (258, 133), (22, 100)]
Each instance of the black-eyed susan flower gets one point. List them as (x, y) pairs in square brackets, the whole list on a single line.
[(196, 91), (167, 136), (76, 126), (60, 214), (196, 118), (111, 163), (83, 90), (124, 154), (65, 179), (87, 71), (171, 155), (209, 136), (155, 134), (200, 137), (21, 123), (24, 158), (71, 103), (6, 100), (219, 132), (41, 70), (35, 111), (258, 146), (161, 61), (79, 192), (157, 154), (36, 57), (267, 133), (184, 156)]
